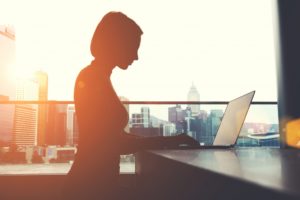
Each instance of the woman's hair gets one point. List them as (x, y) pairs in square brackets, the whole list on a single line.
[(114, 32)]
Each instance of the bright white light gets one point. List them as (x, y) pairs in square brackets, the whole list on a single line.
[(225, 47)]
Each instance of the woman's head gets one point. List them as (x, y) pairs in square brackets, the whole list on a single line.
[(116, 39)]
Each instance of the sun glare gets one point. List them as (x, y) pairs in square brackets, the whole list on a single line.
[(23, 73)]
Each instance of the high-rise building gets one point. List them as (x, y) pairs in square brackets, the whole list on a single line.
[(141, 124), (141, 120), (203, 114), (136, 120), (168, 129), (25, 126), (70, 124), (199, 127), (145, 111), (7, 61), (189, 120), (193, 95), (42, 81), (75, 130), (7, 112), (157, 122), (177, 116), (213, 123), (25, 122), (56, 133), (7, 83)]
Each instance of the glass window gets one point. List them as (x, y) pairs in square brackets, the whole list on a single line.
[(194, 50)]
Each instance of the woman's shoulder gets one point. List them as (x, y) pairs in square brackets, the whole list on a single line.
[(87, 74), (83, 79), (90, 78)]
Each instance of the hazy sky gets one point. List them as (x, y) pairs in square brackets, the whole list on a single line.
[(225, 47)]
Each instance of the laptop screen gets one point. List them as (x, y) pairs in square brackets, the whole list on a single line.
[(233, 120)]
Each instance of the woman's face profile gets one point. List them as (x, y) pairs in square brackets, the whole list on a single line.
[(129, 53)]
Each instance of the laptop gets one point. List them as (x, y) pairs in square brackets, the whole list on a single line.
[(231, 124)]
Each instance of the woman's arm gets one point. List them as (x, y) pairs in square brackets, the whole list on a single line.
[(132, 143)]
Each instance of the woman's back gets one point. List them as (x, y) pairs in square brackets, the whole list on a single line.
[(101, 117)]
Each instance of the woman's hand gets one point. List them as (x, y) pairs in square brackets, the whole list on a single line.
[(133, 143), (181, 140), (184, 139)]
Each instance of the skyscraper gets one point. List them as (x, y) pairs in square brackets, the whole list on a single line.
[(169, 129), (141, 120), (7, 61), (213, 123), (177, 116), (200, 127), (137, 120), (56, 133), (141, 124), (193, 95), (70, 124), (25, 122), (75, 130), (25, 126), (145, 111), (188, 120), (6, 121), (42, 81)]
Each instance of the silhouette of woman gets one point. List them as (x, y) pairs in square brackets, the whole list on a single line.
[(102, 117)]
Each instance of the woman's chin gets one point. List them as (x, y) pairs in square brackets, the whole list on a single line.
[(124, 67)]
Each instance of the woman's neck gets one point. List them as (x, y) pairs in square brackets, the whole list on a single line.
[(104, 67)]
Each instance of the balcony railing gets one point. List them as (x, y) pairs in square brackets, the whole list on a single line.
[(41, 137)]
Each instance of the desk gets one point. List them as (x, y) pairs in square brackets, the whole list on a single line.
[(245, 173)]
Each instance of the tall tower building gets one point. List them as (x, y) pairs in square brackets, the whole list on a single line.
[(193, 95), (56, 133), (141, 120), (177, 116), (169, 129), (42, 81), (75, 130), (70, 124), (214, 121), (136, 120), (7, 112), (188, 120), (145, 111), (25, 122), (7, 61)]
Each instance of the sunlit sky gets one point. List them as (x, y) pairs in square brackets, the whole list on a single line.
[(226, 48)]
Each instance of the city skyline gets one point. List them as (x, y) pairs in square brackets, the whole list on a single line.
[(49, 133), (63, 112), (37, 89), (213, 58)]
